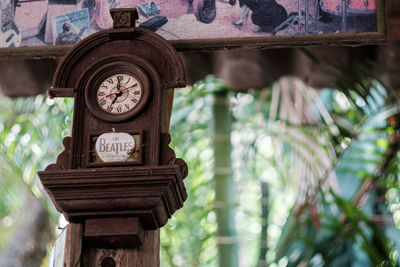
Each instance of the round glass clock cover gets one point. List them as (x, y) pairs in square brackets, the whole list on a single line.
[(119, 93)]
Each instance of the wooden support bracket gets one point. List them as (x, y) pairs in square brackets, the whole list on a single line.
[(113, 233), (61, 92)]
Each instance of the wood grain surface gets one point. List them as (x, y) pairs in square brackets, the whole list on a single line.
[(146, 255)]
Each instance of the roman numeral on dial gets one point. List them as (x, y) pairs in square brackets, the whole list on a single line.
[(103, 102)]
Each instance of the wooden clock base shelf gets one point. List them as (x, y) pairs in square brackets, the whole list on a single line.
[(117, 199)]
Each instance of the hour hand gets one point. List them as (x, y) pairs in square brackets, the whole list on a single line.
[(115, 98)]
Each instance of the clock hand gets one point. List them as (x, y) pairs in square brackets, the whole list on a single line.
[(115, 98), (121, 90), (128, 87), (118, 85)]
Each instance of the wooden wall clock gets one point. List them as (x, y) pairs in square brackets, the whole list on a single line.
[(117, 168)]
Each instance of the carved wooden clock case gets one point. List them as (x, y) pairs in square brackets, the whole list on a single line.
[(120, 80)]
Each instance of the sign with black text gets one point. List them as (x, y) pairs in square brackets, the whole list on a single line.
[(114, 148)]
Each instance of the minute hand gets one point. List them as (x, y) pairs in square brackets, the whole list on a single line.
[(121, 90)]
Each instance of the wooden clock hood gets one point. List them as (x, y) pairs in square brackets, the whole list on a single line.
[(133, 41)]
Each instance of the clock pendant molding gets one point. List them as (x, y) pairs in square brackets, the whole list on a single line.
[(149, 191)]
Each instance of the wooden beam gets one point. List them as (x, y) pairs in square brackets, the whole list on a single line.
[(394, 27), (61, 92)]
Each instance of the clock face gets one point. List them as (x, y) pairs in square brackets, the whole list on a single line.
[(119, 93)]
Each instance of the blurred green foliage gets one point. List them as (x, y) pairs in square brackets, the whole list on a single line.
[(31, 130), (348, 234), (309, 223)]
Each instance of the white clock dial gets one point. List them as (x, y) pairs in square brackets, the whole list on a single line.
[(119, 93)]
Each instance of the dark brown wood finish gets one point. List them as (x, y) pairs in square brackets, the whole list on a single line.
[(146, 255), (128, 195), (73, 242), (152, 193), (124, 17), (103, 233)]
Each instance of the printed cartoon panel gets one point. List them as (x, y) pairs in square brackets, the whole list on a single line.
[(48, 22)]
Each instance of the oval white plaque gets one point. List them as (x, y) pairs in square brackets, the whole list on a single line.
[(113, 147)]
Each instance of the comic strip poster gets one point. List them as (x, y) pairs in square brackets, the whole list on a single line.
[(72, 27), (52, 22)]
